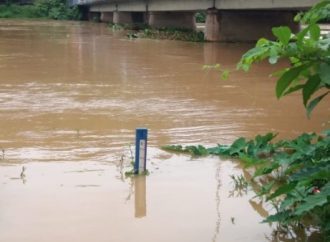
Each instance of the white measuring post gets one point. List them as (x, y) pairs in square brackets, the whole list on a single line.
[(141, 139)]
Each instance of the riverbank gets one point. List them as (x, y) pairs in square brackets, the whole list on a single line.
[(43, 9), (18, 11)]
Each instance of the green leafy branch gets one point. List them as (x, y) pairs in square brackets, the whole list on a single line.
[(308, 52)]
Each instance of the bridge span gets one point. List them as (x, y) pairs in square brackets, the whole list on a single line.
[(226, 20)]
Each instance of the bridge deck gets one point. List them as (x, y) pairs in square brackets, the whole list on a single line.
[(194, 5)]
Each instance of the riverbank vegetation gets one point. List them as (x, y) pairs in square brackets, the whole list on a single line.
[(47, 9), (172, 34), (291, 175), (144, 31)]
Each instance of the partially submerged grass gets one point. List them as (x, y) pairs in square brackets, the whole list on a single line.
[(144, 31), (172, 34)]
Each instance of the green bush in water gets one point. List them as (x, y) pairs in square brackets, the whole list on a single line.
[(200, 17)]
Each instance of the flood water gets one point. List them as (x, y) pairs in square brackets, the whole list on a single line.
[(71, 96)]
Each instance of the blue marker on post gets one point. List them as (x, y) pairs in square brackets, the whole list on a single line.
[(141, 139)]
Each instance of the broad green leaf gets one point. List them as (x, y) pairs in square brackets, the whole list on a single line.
[(301, 35), (293, 89), (261, 42), (262, 140), (219, 150), (251, 56), (316, 13), (282, 190), (324, 44), (291, 51), (273, 59), (287, 78), (251, 161), (324, 73), (289, 201), (283, 34), (278, 217), (311, 202), (326, 132), (298, 17), (265, 189), (278, 73), (310, 88), (315, 31), (238, 146), (266, 169), (316, 171), (274, 52), (312, 104)]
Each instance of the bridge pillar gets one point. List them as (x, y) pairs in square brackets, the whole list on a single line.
[(182, 20), (106, 17), (122, 18), (212, 25), (245, 25)]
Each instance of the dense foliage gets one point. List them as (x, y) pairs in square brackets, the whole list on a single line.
[(51, 9), (308, 52), (18, 11), (293, 175), (56, 9), (200, 17)]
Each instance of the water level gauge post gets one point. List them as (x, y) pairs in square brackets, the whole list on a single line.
[(141, 138)]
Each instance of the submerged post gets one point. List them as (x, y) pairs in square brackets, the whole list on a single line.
[(141, 138)]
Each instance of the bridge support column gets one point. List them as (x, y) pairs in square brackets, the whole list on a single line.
[(106, 17), (212, 25), (247, 25), (122, 18), (182, 20)]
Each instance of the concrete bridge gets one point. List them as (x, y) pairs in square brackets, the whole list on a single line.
[(226, 20)]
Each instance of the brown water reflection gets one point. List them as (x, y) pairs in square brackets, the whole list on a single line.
[(71, 96)]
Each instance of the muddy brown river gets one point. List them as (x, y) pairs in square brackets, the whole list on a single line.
[(71, 96)]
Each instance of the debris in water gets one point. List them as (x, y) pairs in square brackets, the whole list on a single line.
[(232, 220), (23, 172)]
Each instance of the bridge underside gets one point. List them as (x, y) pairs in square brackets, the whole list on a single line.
[(195, 5), (235, 26), (227, 20)]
